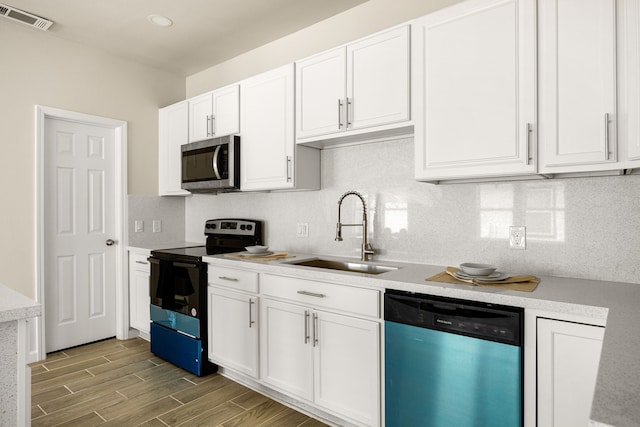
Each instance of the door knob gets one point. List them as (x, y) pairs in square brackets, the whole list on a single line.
[(110, 242)]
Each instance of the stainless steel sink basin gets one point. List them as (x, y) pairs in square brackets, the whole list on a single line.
[(354, 267)]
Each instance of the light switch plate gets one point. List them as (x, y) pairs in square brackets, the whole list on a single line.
[(157, 226), (302, 229), (138, 226)]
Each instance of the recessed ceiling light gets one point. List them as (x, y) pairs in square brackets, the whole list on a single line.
[(160, 21)]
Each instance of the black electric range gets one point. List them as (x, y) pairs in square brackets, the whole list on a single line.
[(178, 291)]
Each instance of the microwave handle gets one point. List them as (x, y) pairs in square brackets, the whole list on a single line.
[(216, 154)]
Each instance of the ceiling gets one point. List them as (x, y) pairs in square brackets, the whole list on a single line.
[(204, 32)]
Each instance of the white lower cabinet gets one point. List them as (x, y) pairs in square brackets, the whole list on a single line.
[(233, 330), (233, 319), (329, 359), (567, 365), (139, 300)]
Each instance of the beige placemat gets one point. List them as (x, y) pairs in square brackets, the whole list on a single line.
[(248, 256), (522, 283)]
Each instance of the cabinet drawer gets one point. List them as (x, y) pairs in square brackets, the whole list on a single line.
[(232, 278), (139, 262), (361, 301)]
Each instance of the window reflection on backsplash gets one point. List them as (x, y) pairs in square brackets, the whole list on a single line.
[(539, 206)]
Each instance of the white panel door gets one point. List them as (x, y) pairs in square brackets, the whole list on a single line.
[(378, 80), (200, 111), (226, 111), (286, 359), (320, 94), (79, 216), (347, 368), (568, 357), (267, 128), (476, 92), (233, 330), (173, 133), (577, 84)]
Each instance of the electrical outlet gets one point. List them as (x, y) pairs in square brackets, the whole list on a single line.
[(302, 229), (138, 226), (517, 237), (157, 225)]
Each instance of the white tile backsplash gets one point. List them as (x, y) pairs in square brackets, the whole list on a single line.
[(169, 210), (579, 227)]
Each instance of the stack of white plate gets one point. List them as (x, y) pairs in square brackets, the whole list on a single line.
[(479, 272)]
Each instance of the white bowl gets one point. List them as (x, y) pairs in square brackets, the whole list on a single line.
[(474, 269), (257, 249)]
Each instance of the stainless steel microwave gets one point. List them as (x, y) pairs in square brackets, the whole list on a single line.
[(212, 165)]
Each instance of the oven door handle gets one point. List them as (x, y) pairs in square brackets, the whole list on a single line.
[(185, 264), (216, 154)]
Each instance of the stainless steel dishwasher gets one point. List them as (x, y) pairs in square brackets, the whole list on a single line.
[(452, 363)]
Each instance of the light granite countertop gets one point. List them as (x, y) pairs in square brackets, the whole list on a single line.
[(15, 306), (617, 395)]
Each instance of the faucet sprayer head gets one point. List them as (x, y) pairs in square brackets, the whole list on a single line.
[(338, 232)]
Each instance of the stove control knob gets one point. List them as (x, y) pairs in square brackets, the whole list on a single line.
[(194, 312), (249, 227), (243, 227)]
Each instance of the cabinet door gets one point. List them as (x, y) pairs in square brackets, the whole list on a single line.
[(577, 84), (139, 300), (267, 128), (378, 80), (287, 352), (173, 132), (200, 112), (568, 357), (233, 330), (347, 366), (226, 111), (476, 90), (320, 94)]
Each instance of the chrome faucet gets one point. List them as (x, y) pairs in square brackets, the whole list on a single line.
[(366, 251)]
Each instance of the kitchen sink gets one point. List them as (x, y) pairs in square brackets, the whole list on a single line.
[(355, 267)]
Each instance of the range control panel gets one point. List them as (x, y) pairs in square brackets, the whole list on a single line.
[(236, 227)]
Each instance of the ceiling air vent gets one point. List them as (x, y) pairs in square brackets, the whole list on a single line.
[(25, 17)]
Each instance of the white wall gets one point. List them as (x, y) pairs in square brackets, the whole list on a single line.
[(581, 227), (360, 21), (38, 68)]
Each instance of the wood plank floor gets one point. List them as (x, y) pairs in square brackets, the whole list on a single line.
[(121, 383)]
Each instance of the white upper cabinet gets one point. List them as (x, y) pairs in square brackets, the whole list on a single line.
[(214, 114), (629, 81), (474, 85), (173, 132), (577, 85), (354, 89), (269, 158)]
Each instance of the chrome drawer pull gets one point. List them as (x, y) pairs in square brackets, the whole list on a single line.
[(251, 321), (315, 329), (311, 294), (230, 279), (142, 262)]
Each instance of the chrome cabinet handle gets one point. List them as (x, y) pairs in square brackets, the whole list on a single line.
[(216, 155), (340, 104), (213, 125), (230, 279), (606, 136), (289, 160), (306, 326), (208, 125), (110, 242), (315, 329), (349, 111), (528, 144), (251, 321), (311, 294), (142, 262)]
